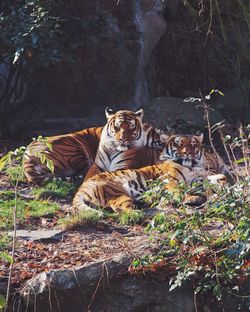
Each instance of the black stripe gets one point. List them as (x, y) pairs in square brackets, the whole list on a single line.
[(179, 171)]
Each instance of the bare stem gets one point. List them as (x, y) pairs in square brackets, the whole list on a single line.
[(13, 247)]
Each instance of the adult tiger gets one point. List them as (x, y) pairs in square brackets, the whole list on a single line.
[(189, 151), (74, 153), (120, 189), (125, 131)]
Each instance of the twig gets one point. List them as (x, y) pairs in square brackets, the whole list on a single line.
[(195, 302), (13, 247), (119, 236), (97, 287)]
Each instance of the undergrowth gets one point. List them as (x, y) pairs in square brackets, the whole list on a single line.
[(207, 246)]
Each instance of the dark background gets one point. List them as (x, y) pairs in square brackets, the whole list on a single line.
[(85, 55)]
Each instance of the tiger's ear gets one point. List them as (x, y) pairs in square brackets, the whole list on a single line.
[(164, 137), (199, 137), (139, 113), (109, 112)]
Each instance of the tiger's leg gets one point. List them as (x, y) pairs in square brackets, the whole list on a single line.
[(178, 194), (122, 203), (35, 172)]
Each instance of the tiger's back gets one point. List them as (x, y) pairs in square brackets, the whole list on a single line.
[(75, 153), (118, 190), (71, 154)]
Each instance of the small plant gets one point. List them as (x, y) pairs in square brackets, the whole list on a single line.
[(12, 164), (4, 241), (15, 173)]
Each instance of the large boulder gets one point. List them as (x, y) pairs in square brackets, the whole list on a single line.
[(173, 113)]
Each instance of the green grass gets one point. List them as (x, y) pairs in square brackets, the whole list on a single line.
[(4, 241), (25, 209), (55, 189), (7, 194), (82, 219), (131, 217)]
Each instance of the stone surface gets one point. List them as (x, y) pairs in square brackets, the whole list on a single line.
[(103, 286), (169, 112), (109, 70), (38, 235), (106, 286)]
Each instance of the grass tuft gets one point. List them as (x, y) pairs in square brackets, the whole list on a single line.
[(131, 217), (83, 219)]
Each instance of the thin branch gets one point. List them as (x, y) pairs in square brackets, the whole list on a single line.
[(13, 247)]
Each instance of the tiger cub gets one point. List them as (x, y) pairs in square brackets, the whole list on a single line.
[(188, 151), (120, 189), (74, 153)]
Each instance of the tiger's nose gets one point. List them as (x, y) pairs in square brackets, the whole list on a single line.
[(124, 141), (186, 151)]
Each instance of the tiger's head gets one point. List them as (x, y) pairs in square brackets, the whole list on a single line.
[(124, 129), (184, 149)]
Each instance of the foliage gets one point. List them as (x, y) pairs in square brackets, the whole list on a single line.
[(12, 162), (43, 31), (215, 260), (15, 173)]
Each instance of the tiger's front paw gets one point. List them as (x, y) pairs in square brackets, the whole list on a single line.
[(194, 200)]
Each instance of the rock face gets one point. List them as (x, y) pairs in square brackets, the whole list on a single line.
[(106, 286), (103, 286), (175, 114), (110, 69)]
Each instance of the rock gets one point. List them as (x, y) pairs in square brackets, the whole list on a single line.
[(174, 114), (38, 235), (108, 69), (103, 286)]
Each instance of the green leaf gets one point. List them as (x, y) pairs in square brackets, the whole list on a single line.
[(2, 301), (3, 161), (172, 242), (241, 160), (49, 145), (42, 158), (50, 165), (6, 257), (136, 263), (220, 93)]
